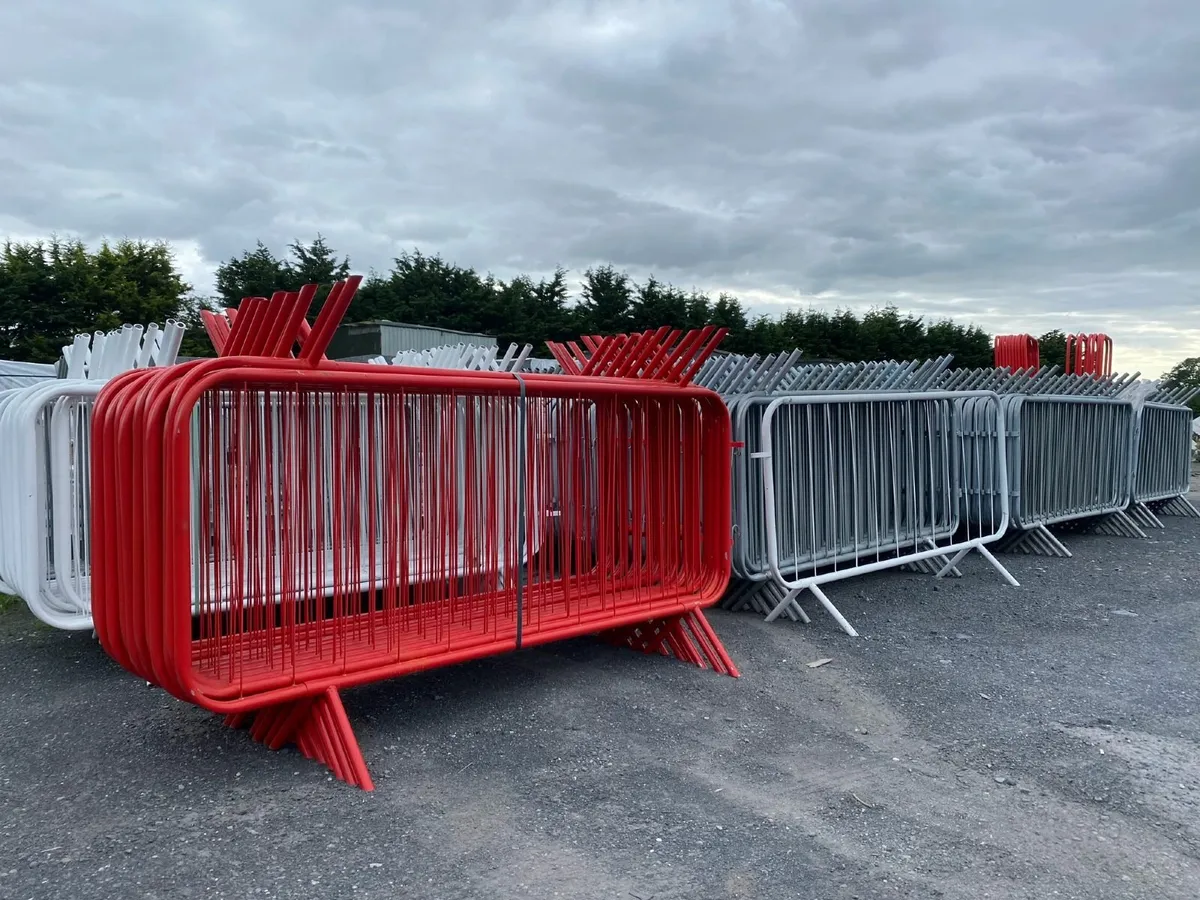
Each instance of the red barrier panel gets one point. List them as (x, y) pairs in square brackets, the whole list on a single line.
[(1016, 352), (268, 531), (1089, 354)]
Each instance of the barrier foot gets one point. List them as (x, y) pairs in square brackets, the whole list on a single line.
[(951, 564), (687, 637), (789, 602), (1143, 515), (319, 728), (998, 566), (1115, 524), (1038, 540), (937, 566), (1179, 506), (761, 597), (772, 591)]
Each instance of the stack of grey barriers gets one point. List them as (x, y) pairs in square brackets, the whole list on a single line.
[(1163, 459), (840, 470), (1088, 453)]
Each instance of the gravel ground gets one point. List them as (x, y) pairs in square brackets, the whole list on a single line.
[(977, 741)]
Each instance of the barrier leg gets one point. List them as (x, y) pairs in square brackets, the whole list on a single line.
[(793, 610), (1143, 515), (790, 598), (761, 596), (788, 601), (1038, 540), (996, 564), (1179, 506), (1115, 524), (318, 726), (688, 637), (937, 566), (833, 611), (952, 565)]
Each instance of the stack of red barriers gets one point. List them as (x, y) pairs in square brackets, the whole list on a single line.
[(271, 527), (1017, 352), (1089, 354)]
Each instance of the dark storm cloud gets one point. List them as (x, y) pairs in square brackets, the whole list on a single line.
[(1022, 164)]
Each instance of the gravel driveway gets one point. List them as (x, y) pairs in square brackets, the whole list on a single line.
[(977, 741)]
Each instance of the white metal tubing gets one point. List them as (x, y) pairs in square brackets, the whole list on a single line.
[(169, 344), (25, 547), (76, 356), (149, 345), (45, 489)]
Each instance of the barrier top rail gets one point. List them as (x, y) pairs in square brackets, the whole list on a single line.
[(1046, 380), (664, 354), (732, 374), (277, 328)]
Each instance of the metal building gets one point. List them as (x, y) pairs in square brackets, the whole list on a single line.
[(23, 374), (360, 341)]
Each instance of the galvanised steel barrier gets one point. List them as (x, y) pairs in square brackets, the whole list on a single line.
[(749, 386), (1163, 464), (1070, 458), (860, 482)]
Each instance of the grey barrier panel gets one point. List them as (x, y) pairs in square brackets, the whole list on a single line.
[(854, 483), (1164, 453)]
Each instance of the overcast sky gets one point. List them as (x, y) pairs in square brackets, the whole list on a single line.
[(1023, 165)]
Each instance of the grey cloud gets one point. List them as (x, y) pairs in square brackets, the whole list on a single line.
[(1008, 161)]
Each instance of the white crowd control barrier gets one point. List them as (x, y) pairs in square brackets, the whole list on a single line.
[(45, 496)]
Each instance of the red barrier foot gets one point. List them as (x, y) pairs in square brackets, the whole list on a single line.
[(686, 637), (318, 726)]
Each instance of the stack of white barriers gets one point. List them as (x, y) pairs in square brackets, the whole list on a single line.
[(45, 493)]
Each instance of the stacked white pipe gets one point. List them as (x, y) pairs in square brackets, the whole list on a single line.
[(468, 357), (45, 477)]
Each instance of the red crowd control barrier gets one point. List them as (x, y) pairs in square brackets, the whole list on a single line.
[(1017, 351), (269, 530), (1089, 354)]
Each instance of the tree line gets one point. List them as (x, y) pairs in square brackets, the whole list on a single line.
[(53, 289)]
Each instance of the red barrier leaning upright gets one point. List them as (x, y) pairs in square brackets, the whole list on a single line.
[(1016, 352), (271, 529), (1089, 354)]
